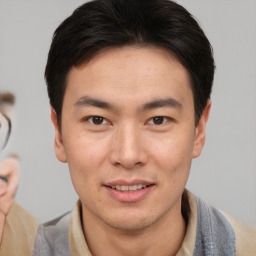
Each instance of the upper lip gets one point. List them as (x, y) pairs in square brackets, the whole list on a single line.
[(128, 182)]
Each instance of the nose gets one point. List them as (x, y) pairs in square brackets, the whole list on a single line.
[(128, 149)]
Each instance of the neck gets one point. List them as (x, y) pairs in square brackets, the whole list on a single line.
[(164, 237)]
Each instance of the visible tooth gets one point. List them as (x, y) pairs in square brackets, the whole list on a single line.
[(129, 188), (124, 188), (133, 188)]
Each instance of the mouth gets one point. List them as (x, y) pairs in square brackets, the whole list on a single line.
[(135, 191), (125, 188)]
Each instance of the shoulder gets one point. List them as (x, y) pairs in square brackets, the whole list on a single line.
[(20, 217), (52, 237), (19, 232), (245, 236), (224, 231)]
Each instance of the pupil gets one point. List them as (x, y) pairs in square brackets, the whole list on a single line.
[(97, 120), (158, 120)]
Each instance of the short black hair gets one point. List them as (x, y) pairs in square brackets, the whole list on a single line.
[(102, 24)]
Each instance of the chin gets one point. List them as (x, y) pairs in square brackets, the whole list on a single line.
[(130, 226), (130, 222)]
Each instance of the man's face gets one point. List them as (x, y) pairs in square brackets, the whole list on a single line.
[(128, 135)]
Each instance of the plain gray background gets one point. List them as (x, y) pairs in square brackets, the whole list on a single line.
[(225, 173)]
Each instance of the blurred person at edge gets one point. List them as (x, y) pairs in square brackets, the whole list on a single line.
[(17, 227), (129, 83)]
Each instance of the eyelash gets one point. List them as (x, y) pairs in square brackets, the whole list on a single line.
[(164, 120), (90, 120), (156, 120)]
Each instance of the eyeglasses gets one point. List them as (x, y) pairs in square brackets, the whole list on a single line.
[(5, 130)]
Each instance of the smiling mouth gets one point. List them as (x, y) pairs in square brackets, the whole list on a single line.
[(124, 188)]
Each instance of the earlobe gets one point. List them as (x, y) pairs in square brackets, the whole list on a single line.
[(200, 131), (58, 142)]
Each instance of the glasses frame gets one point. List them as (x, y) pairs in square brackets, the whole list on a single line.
[(9, 129)]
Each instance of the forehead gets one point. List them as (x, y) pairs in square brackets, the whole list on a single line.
[(130, 72)]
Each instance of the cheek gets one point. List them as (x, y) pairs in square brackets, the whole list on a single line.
[(173, 155), (86, 150), (173, 150), (85, 157)]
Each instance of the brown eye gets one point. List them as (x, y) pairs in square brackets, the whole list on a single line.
[(158, 120), (97, 120)]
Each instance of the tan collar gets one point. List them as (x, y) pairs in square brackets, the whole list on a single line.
[(188, 245), (78, 246)]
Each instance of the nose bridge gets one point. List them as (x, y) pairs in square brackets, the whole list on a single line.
[(128, 149)]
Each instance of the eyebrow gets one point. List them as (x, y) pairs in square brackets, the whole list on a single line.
[(88, 101), (158, 103), (169, 102)]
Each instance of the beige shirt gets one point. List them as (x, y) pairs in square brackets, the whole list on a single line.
[(245, 235), (19, 233)]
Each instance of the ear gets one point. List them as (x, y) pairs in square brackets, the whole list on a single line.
[(200, 131), (58, 142)]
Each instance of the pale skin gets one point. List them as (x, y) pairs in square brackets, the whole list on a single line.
[(128, 118), (9, 168)]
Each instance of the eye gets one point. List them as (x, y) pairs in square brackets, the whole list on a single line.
[(158, 120), (97, 120)]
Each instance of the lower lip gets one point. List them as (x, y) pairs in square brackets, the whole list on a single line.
[(129, 196)]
